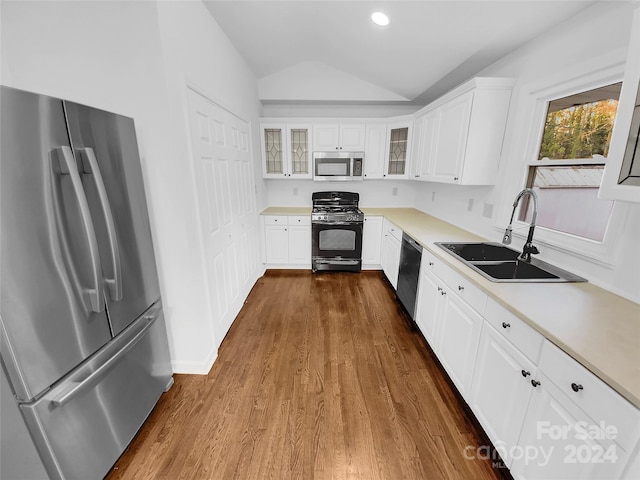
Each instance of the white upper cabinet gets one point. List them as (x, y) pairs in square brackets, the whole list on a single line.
[(621, 179), (329, 137), (376, 141), (462, 134), (422, 147), (286, 151)]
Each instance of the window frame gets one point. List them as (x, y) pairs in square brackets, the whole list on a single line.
[(536, 101)]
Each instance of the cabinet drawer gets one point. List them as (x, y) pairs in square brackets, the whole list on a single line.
[(523, 337), (393, 230), (433, 264), (275, 220), (299, 220), (471, 294), (599, 401)]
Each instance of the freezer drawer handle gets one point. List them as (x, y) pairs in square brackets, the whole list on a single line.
[(67, 166), (76, 388), (90, 167)]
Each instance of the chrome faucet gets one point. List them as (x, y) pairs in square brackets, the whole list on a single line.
[(529, 248)]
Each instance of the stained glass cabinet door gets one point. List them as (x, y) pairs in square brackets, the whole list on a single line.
[(299, 151), (286, 150)]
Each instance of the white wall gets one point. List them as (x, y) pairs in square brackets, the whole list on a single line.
[(196, 53), (555, 56), (136, 58), (373, 193), (328, 110)]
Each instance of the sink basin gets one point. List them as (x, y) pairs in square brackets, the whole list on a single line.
[(500, 263), (514, 270), (481, 251)]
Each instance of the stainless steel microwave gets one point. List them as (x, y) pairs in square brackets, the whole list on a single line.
[(338, 166)]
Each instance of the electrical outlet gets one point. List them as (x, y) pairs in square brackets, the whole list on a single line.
[(433, 196), (295, 190), (394, 192), (470, 205)]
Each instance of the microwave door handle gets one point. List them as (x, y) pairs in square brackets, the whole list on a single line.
[(90, 167), (63, 163)]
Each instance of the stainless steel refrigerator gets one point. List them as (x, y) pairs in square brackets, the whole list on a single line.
[(83, 341)]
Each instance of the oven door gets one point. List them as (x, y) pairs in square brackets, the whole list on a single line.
[(337, 246)]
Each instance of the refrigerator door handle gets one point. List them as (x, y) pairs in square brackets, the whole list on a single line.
[(67, 166), (90, 167), (75, 387)]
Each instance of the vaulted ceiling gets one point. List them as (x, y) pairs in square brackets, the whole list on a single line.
[(310, 51)]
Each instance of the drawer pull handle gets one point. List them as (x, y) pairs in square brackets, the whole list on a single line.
[(460, 288), (442, 292), (576, 387), (431, 264), (535, 383), (505, 325), (439, 289), (525, 373)]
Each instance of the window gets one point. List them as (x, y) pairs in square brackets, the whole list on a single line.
[(570, 162)]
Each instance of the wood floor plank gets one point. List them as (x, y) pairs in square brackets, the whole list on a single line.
[(319, 377)]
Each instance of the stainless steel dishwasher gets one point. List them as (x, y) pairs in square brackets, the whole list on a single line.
[(409, 272)]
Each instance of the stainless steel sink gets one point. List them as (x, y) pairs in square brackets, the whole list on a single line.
[(500, 263)]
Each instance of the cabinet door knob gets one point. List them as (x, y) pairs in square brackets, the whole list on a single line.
[(442, 292), (460, 288), (535, 383), (505, 325), (576, 387), (455, 179), (431, 264), (525, 373)]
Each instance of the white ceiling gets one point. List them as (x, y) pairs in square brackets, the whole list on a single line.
[(329, 51)]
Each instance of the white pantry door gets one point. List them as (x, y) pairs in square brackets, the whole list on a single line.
[(227, 206)]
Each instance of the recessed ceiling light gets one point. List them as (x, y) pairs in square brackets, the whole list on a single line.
[(380, 18)]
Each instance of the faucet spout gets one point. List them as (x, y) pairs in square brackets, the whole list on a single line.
[(529, 248)]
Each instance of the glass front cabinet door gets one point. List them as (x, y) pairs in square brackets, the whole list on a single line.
[(286, 150), (397, 154)]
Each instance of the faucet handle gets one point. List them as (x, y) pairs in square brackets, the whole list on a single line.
[(506, 239)]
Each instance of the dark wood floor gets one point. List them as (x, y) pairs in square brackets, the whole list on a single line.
[(320, 376)]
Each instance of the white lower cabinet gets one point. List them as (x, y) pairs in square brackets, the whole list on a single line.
[(288, 240), (547, 415), (277, 243), (430, 303), (576, 426), (458, 340), (551, 448), (501, 390), (371, 240), (390, 255), (299, 244)]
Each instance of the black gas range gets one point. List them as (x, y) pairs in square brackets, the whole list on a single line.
[(336, 232)]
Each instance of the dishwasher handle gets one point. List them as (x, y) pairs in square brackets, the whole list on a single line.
[(410, 241)]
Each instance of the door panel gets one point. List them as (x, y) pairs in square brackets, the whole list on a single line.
[(112, 141), (48, 290), (226, 204)]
